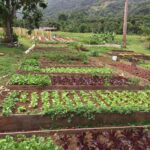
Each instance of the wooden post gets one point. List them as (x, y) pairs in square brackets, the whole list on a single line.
[(125, 24)]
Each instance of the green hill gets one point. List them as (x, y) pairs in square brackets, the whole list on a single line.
[(96, 7)]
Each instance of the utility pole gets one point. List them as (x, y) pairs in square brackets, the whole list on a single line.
[(125, 24)]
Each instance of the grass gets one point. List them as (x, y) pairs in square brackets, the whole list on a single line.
[(134, 42), (11, 59)]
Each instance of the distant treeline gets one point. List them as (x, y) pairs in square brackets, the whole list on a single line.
[(79, 23)]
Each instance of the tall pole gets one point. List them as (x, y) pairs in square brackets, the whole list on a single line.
[(125, 24)]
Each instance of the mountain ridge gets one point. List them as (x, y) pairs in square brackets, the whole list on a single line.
[(96, 7)]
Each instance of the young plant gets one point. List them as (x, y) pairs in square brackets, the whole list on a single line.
[(45, 101), (21, 109), (9, 103), (23, 97), (34, 100)]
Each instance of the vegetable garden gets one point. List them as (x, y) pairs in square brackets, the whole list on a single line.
[(62, 89)]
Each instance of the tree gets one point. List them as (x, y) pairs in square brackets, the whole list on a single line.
[(31, 10), (62, 17)]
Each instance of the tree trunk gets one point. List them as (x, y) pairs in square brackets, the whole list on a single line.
[(125, 24), (8, 30), (8, 23)]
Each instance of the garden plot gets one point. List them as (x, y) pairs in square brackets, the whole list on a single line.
[(47, 93), (137, 139), (103, 138), (74, 81), (63, 109), (71, 101), (46, 58), (128, 55)]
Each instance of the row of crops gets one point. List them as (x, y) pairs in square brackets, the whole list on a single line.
[(76, 102), (46, 80), (69, 70), (24, 143)]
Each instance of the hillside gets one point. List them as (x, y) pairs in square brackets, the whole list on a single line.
[(96, 7)]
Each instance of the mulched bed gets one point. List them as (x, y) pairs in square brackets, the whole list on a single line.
[(73, 87), (143, 73)]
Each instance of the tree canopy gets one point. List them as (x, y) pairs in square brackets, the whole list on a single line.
[(30, 9)]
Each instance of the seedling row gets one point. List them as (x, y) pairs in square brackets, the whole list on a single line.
[(60, 103)]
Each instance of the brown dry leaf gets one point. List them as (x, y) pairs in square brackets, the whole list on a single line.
[(73, 143)]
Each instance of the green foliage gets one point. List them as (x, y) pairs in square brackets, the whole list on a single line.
[(42, 80), (34, 100), (145, 65), (66, 57), (9, 103), (24, 143), (78, 70), (31, 62), (87, 103), (21, 109), (134, 81), (31, 11), (45, 101), (84, 23), (102, 38), (23, 97), (30, 65), (95, 53)]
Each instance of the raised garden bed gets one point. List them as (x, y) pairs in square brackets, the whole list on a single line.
[(124, 54), (81, 103), (70, 79), (24, 143), (91, 80), (79, 70), (38, 122), (107, 138), (135, 139), (143, 73)]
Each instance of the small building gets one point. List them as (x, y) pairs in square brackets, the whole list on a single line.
[(48, 28)]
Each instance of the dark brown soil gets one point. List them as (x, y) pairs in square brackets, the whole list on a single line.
[(71, 87)]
